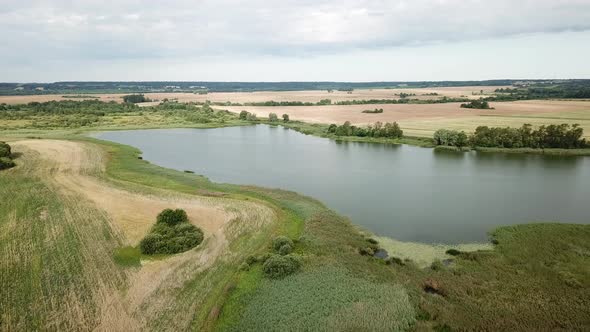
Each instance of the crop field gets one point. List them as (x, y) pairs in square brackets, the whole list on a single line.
[(424, 119), (313, 96)]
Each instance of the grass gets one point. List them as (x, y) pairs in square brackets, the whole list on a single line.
[(341, 303), (538, 275), (128, 256), (56, 267)]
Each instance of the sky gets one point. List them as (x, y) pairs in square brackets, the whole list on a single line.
[(288, 40)]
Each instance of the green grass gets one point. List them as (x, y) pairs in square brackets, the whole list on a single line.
[(128, 256), (340, 303), (538, 276)]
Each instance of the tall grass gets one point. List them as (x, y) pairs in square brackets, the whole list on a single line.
[(327, 299)]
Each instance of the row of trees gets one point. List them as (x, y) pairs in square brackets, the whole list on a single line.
[(388, 130), (561, 136), (272, 117)]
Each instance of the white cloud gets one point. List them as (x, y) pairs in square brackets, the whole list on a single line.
[(92, 30)]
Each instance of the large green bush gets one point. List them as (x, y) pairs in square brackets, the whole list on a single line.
[(172, 217), (172, 234), (277, 266)]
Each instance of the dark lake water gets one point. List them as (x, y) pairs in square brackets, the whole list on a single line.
[(400, 191)]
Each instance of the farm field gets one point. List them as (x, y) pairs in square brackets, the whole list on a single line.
[(262, 96), (424, 119)]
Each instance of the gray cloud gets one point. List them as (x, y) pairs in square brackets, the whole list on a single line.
[(127, 29)]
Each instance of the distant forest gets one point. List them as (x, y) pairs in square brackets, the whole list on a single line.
[(581, 87)]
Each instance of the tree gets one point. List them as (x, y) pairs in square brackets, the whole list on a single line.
[(172, 217), (272, 117), (243, 115), (285, 117)]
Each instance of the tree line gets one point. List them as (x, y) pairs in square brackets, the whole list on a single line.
[(561, 136), (387, 130), (136, 98)]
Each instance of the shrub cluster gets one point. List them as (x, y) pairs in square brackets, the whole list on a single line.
[(389, 130), (137, 98), (247, 116), (171, 234), (5, 156), (478, 104), (561, 136), (272, 117), (450, 138), (279, 266)]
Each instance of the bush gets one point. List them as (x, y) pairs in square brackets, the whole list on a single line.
[(272, 117), (280, 241), (6, 163), (171, 234), (139, 98), (395, 260), (278, 267), (5, 150), (172, 217), (149, 245), (453, 252), (285, 117), (437, 265), (243, 115), (285, 249)]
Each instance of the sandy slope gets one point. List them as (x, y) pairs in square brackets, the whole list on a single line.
[(75, 170)]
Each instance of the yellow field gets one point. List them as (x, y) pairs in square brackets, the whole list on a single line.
[(262, 96), (424, 119)]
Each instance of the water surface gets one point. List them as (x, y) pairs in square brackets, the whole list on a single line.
[(408, 193)]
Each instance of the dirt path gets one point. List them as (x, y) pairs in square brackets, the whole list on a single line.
[(75, 169)]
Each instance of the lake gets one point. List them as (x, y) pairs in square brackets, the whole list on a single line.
[(404, 192)]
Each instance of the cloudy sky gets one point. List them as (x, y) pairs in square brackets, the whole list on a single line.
[(288, 40)]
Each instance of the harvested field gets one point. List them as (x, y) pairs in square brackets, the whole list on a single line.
[(83, 217), (261, 96), (424, 119)]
